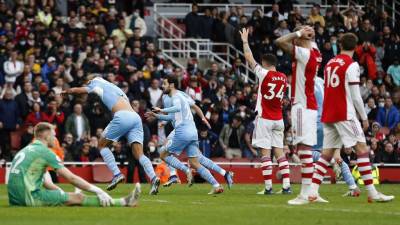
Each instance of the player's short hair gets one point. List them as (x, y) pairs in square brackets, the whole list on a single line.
[(173, 80), (42, 127), (348, 41), (269, 59)]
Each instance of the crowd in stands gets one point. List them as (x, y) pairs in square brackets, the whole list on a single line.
[(48, 46)]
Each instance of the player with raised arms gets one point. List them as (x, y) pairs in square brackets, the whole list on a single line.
[(185, 137), (306, 60), (126, 122), (28, 186), (269, 128), (342, 101)]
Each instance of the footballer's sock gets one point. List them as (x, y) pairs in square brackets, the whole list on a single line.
[(94, 201), (321, 167), (347, 176), (147, 166), (307, 168), (364, 166), (109, 159), (206, 175), (285, 172), (266, 166), (172, 171), (209, 164), (174, 162), (316, 154)]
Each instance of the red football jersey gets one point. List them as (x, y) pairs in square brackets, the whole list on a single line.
[(304, 69), (271, 90), (340, 72)]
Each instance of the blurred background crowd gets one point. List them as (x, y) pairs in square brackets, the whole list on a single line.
[(48, 46)]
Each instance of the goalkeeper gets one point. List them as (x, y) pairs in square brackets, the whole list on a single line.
[(27, 185)]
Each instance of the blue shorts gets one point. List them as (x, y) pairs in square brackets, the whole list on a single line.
[(127, 124), (177, 142)]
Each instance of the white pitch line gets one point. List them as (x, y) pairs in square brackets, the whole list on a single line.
[(330, 209), (155, 200)]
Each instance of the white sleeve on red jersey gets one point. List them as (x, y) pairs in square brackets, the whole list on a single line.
[(353, 73), (260, 72), (353, 78), (358, 101), (301, 54)]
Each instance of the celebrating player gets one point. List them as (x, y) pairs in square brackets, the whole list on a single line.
[(306, 60), (341, 127), (354, 190), (269, 128), (28, 186), (126, 122), (206, 162), (185, 133)]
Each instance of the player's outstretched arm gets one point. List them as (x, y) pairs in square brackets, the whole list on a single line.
[(76, 90), (80, 183), (244, 34)]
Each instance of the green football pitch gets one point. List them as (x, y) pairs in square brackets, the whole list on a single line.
[(191, 206)]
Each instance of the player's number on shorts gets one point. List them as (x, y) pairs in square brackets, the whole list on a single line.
[(271, 93), (18, 160), (332, 78)]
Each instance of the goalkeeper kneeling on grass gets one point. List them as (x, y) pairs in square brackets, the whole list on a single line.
[(28, 186)]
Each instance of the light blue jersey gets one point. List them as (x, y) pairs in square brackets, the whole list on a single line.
[(319, 95), (179, 112), (124, 123), (108, 92)]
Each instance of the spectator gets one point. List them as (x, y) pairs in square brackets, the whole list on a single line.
[(27, 137), (119, 153), (54, 116), (230, 138), (371, 109), (315, 17), (394, 71), (48, 69), (35, 116), (349, 156), (194, 90), (122, 33), (154, 92), (134, 21), (282, 29), (13, 68), (366, 34), (366, 54), (24, 99), (387, 155), (249, 151), (388, 116), (275, 13), (206, 24), (208, 142), (77, 124), (192, 22), (59, 86), (9, 120)]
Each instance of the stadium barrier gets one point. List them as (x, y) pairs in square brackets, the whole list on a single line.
[(245, 172)]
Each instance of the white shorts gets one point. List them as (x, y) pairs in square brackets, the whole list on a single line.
[(268, 133), (304, 125), (346, 133)]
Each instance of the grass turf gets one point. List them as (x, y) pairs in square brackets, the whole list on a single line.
[(181, 205)]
